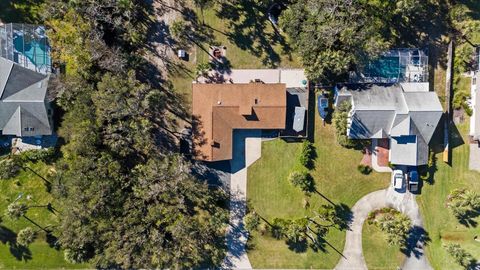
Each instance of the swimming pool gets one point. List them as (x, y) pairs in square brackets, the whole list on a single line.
[(384, 67), (36, 51)]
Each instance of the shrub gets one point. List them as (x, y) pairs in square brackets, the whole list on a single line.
[(9, 167), (301, 179), (279, 227), (75, 255), (364, 169), (252, 221), (26, 236), (463, 203), (307, 155), (263, 228), (394, 224), (339, 119), (462, 257), (44, 155)]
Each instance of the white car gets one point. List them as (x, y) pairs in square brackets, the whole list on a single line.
[(397, 179)]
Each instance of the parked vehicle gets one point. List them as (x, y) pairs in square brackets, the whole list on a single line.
[(397, 179), (413, 183)]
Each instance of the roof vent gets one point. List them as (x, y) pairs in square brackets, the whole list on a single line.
[(219, 102), (40, 84)]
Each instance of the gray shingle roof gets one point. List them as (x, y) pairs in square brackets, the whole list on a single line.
[(409, 119), (23, 109), (377, 107)]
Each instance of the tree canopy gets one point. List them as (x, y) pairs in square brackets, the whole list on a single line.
[(129, 199), (331, 35)]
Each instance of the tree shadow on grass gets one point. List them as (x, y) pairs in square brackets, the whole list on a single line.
[(247, 28), (9, 238), (297, 246), (468, 218), (416, 240)]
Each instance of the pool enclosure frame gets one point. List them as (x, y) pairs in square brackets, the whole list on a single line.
[(412, 67), (26, 45)]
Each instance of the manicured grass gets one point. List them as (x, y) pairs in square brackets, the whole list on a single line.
[(377, 252), (39, 254), (271, 195), (440, 223)]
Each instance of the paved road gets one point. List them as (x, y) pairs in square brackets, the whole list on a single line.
[(246, 151), (404, 202)]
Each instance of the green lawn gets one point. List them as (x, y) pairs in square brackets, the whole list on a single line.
[(39, 254), (376, 250), (439, 221), (269, 192)]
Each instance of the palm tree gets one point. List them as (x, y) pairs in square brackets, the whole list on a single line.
[(16, 210), (26, 236)]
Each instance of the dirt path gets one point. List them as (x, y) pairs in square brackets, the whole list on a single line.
[(163, 54)]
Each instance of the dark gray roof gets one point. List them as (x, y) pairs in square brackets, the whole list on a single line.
[(386, 107), (23, 109), (366, 123), (408, 118)]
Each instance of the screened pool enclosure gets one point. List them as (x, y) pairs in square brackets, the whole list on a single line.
[(26, 45), (399, 65)]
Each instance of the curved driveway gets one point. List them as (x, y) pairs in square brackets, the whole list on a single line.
[(404, 202)]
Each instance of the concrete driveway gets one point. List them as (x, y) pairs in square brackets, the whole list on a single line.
[(247, 149), (404, 202)]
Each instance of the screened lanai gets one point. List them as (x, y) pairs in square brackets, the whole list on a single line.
[(26, 45), (399, 65)]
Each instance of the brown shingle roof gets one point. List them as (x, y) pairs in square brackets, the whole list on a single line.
[(220, 108)]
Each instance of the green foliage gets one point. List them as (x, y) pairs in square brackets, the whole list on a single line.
[(130, 201), (278, 227), (252, 221), (464, 204), (462, 257), (75, 255), (26, 236), (364, 169), (332, 35), (463, 59), (45, 155), (302, 180), (202, 69), (10, 167), (16, 210), (296, 230), (307, 155), (395, 224), (339, 119)]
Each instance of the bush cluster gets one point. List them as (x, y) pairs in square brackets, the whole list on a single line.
[(340, 117), (44, 155), (10, 167), (301, 179), (364, 169), (307, 155)]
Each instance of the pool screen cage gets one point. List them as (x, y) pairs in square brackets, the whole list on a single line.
[(26, 45), (399, 65)]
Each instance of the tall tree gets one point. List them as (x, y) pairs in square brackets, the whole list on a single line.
[(332, 35)]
